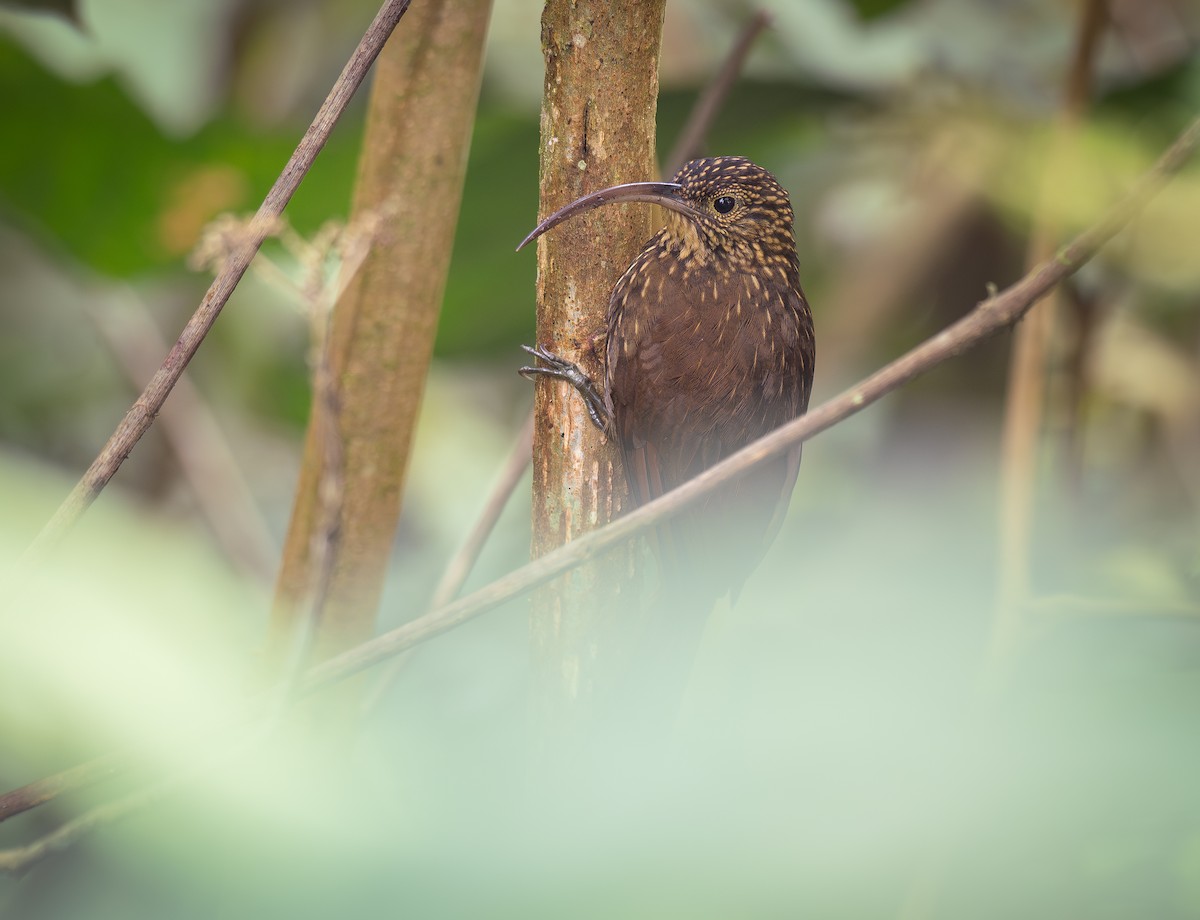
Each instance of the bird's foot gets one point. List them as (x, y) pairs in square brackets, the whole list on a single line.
[(562, 369)]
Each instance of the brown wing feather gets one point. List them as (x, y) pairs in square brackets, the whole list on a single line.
[(681, 403)]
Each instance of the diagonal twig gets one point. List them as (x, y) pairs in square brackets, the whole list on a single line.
[(48, 788), (19, 860), (330, 487)]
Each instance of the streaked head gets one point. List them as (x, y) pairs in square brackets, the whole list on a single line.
[(728, 203)]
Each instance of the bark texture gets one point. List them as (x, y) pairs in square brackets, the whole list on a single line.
[(597, 129)]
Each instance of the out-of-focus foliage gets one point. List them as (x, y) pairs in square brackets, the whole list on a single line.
[(842, 753), (101, 179), (68, 8), (870, 9)]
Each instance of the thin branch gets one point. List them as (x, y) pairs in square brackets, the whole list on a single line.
[(19, 860), (690, 142), (460, 565), (985, 320), (141, 415), (44, 790), (331, 488)]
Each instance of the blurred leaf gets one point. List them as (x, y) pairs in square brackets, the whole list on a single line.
[(93, 171), (1176, 87), (133, 636), (489, 294), (873, 9), (67, 8), (1070, 182)]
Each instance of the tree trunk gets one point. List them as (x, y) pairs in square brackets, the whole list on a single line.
[(381, 336), (597, 129)]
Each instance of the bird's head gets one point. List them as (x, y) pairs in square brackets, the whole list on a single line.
[(725, 206)]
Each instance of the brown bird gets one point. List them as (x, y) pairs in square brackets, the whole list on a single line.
[(708, 346)]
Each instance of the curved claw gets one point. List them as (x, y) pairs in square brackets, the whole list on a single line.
[(570, 372), (546, 355)]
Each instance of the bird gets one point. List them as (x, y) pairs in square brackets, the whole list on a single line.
[(708, 344)]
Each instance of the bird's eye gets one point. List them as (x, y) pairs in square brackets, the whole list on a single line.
[(725, 204)]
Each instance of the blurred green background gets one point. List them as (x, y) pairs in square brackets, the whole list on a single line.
[(842, 754)]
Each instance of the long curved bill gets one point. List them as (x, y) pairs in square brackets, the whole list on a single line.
[(660, 193)]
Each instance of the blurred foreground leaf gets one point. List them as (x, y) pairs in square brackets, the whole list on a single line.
[(136, 635), (68, 8), (873, 9)]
